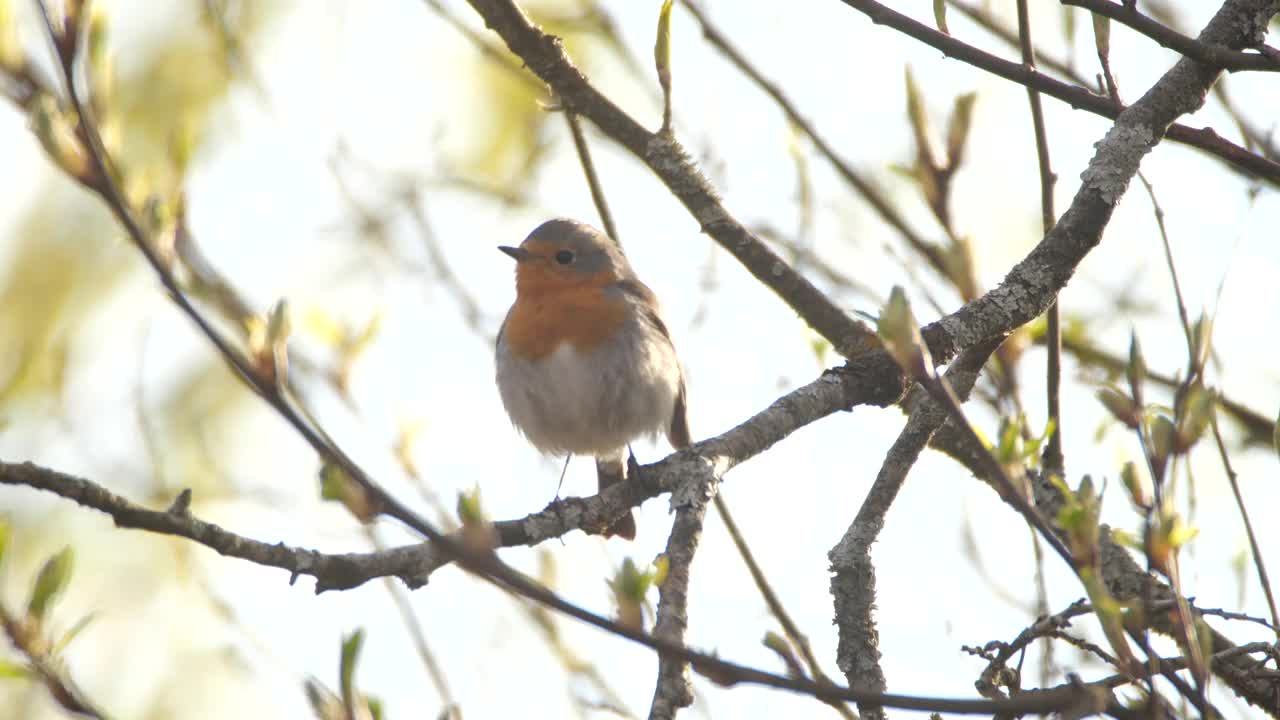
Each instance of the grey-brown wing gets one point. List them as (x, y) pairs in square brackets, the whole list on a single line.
[(678, 432), (678, 429)]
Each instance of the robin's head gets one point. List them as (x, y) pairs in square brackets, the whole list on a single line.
[(564, 253)]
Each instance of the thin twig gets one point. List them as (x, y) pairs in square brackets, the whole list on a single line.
[(1230, 60), (1258, 426), (797, 639), (47, 669), (1254, 549), (864, 187), (593, 179), (1053, 459), (419, 638), (941, 391), (989, 22), (1206, 139)]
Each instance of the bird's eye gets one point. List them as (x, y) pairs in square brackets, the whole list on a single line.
[(564, 257)]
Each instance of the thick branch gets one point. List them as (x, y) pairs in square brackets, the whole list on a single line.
[(674, 689), (853, 583)]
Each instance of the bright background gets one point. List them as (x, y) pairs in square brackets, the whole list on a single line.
[(100, 376)]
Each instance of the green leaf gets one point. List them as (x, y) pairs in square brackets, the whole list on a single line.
[(50, 582), (1163, 438), (900, 332), (347, 667), (1202, 340), (1102, 35), (11, 670), (958, 129), (1136, 369), (662, 59), (662, 46), (940, 15), (1133, 484), (1010, 432), (661, 566), (471, 507), (631, 582), (919, 120), (336, 484), (1121, 406), (4, 524), (71, 634), (1197, 411)]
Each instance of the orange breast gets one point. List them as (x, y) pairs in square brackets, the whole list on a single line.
[(583, 316)]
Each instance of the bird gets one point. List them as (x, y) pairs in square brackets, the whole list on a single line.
[(584, 361)]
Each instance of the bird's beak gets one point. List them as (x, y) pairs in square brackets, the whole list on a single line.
[(520, 254)]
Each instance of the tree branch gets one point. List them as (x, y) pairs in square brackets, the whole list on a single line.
[(853, 582), (178, 521), (1204, 53), (1206, 139), (544, 55), (674, 689), (864, 187), (1030, 286), (337, 571)]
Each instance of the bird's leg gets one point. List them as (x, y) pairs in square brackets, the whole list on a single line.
[(563, 470), (633, 467), (555, 502)]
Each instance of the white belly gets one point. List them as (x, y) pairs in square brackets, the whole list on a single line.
[(591, 403)]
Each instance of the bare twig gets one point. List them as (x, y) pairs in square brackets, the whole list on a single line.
[(1206, 139), (589, 170), (1053, 458), (864, 187), (989, 22), (419, 637), (1257, 426), (1254, 550), (1208, 54), (771, 599)]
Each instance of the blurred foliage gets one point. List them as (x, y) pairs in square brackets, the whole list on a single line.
[(168, 94), (199, 413), (505, 140), (61, 267)]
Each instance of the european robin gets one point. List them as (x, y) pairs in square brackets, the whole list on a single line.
[(585, 363)]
